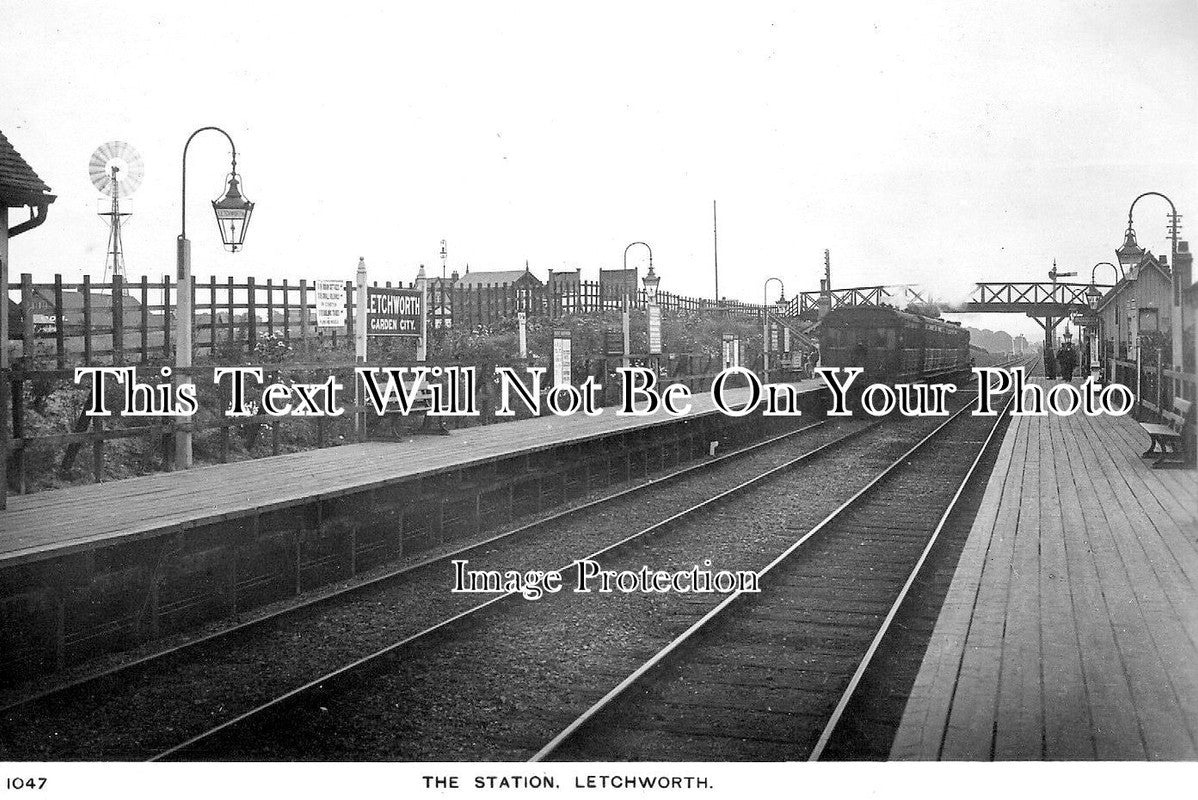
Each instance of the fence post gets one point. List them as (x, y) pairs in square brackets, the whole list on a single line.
[(360, 348), (118, 319), (27, 333), (87, 320), (145, 319), (303, 309), (212, 316), (286, 312), (422, 342), (251, 315), (270, 307), (232, 311), (60, 348)]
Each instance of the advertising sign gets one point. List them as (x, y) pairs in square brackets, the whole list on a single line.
[(613, 342), (330, 304), (731, 351), (654, 312), (393, 312), (45, 323), (561, 357)]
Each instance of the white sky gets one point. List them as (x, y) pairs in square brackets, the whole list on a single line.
[(943, 143)]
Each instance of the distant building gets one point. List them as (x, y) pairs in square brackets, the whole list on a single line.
[(565, 280), (515, 277), (441, 289), (72, 310), (618, 282)]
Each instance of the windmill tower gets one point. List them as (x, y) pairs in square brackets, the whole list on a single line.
[(116, 170)]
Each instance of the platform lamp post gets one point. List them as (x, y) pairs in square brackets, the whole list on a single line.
[(626, 319), (1177, 323), (653, 314), (1093, 298), (232, 218), (765, 324)]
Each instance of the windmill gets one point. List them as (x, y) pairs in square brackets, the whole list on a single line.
[(116, 170)]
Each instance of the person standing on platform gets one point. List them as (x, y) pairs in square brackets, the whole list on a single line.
[(1066, 361), (1050, 364)]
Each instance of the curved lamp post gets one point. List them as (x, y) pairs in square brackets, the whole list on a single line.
[(232, 218), (1093, 298), (650, 277), (765, 323), (1177, 311), (1119, 273), (1172, 228)]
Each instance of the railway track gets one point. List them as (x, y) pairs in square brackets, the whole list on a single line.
[(769, 676), (389, 704), (120, 699), (323, 598)]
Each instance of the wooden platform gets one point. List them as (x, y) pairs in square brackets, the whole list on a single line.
[(55, 522), (1070, 630)]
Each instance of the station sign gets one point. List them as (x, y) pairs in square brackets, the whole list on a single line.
[(330, 304), (393, 312)]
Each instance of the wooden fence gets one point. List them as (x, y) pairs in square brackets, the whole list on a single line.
[(133, 322), (60, 326)]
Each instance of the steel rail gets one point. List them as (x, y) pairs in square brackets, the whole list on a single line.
[(854, 682), (377, 656), (377, 581), (605, 701)]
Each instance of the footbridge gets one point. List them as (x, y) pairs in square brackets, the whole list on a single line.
[(1036, 299)]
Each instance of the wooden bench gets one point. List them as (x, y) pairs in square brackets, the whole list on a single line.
[(1169, 436), (422, 404)]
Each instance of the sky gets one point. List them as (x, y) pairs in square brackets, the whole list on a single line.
[(941, 143)]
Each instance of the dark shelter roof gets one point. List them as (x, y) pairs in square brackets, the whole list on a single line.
[(19, 184)]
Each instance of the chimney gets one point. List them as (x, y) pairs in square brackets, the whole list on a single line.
[(453, 276), (1184, 265)]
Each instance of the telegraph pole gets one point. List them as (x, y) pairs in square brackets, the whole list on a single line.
[(715, 251)]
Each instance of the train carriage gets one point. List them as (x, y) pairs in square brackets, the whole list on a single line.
[(892, 346)]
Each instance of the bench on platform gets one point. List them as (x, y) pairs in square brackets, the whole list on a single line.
[(1169, 436), (421, 404)]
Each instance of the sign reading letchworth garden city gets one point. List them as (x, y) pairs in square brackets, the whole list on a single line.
[(393, 312)]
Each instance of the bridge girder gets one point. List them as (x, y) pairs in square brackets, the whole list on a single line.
[(1036, 299)]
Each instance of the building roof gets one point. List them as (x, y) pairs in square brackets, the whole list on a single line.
[(496, 277), (19, 184), (1149, 261), (72, 301)]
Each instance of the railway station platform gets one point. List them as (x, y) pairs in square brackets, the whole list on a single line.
[(1070, 628), (92, 569)]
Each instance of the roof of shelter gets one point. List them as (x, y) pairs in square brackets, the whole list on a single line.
[(19, 184)]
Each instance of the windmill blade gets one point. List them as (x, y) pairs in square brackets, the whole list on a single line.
[(129, 164)]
